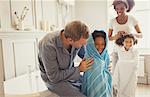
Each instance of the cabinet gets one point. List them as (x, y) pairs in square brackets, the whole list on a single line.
[(18, 51), (144, 66)]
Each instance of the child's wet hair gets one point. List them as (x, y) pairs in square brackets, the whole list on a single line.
[(120, 40), (99, 33)]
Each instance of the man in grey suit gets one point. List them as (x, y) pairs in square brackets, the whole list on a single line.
[(56, 54)]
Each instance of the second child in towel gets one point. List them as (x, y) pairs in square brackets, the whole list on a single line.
[(125, 73)]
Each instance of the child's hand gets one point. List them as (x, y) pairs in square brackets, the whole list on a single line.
[(110, 68), (115, 92)]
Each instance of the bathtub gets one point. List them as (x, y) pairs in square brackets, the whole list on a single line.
[(27, 85)]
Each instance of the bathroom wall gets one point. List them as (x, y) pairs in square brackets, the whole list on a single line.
[(5, 20), (46, 12), (50, 12), (93, 12)]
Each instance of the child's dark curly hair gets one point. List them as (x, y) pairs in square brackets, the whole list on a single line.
[(120, 40), (98, 33)]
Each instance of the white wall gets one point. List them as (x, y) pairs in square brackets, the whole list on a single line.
[(92, 12), (5, 19), (142, 13), (48, 11)]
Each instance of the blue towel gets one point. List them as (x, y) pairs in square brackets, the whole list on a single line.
[(97, 81)]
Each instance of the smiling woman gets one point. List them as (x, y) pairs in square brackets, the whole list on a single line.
[(140, 10), (123, 23)]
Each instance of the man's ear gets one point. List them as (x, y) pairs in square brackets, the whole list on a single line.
[(69, 40)]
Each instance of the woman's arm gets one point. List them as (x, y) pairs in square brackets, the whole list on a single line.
[(116, 36), (110, 32), (139, 33)]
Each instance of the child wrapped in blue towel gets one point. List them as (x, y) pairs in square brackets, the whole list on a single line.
[(97, 81)]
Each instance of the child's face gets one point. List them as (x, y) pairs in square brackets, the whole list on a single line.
[(128, 43), (100, 44)]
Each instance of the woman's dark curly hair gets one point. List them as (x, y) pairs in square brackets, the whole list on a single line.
[(120, 40)]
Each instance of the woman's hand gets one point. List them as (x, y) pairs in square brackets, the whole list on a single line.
[(119, 34), (138, 35), (122, 33)]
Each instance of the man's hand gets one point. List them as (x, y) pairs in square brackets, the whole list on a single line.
[(86, 64)]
